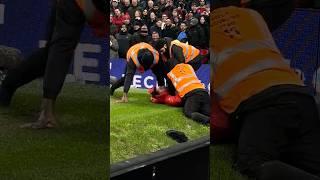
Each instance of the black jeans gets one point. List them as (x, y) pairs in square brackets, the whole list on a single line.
[(287, 129), (54, 60), (197, 101)]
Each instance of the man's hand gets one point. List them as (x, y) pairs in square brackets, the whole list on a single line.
[(124, 98)]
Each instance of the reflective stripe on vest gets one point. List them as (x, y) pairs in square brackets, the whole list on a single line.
[(184, 72), (185, 48), (133, 53), (243, 74), (246, 46)]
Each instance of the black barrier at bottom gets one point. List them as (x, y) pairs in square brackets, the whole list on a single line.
[(185, 161)]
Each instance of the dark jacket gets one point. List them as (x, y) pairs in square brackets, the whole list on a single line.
[(195, 36), (137, 38), (123, 41), (171, 32)]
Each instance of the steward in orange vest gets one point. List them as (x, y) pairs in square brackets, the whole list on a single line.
[(273, 114), (184, 53), (141, 57), (195, 98)]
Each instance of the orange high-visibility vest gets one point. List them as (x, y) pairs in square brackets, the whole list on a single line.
[(189, 52), (184, 79), (95, 18), (246, 59), (132, 53)]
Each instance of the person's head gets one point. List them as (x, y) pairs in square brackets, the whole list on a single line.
[(155, 36), (136, 26), (137, 14), (115, 3), (152, 16), (176, 20), (202, 2), (168, 22), (150, 4), (164, 17), (175, 13), (194, 7), (190, 15), (134, 3), (183, 26), (117, 12), (145, 58), (124, 28), (144, 30), (126, 19), (159, 22), (202, 20), (162, 1), (111, 19), (163, 45), (145, 12), (155, 8), (194, 22), (126, 3)]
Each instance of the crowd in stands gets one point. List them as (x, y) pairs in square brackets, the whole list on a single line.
[(135, 21)]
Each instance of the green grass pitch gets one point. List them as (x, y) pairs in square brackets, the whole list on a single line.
[(221, 160), (78, 149), (138, 127)]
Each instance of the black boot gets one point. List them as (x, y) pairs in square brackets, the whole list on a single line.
[(201, 118)]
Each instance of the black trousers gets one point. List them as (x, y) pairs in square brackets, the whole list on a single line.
[(54, 60), (197, 101), (287, 129)]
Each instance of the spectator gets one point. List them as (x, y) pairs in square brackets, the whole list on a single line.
[(182, 34), (204, 26), (137, 15), (174, 13), (164, 17), (195, 34), (157, 27), (123, 38), (141, 36), (150, 5), (126, 6), (155, 38), (167, 17), (113, 47), (162, 4), (114, 5), (145, 16), (156, 10), (168, 8), (151, 20), (117, 19), (134, 7), (136, 25), (170, 30), (194, 10), (202, 7)]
